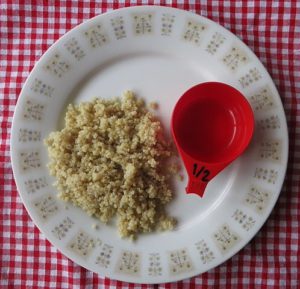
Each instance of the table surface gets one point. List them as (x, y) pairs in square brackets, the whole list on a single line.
[(270, 28)]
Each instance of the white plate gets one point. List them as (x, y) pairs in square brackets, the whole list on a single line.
[(158, 53)]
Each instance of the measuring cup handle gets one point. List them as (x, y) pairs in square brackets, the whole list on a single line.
[(197, 188)]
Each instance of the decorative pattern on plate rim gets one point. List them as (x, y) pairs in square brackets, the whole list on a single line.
[(155, 267), (193, 31), (29, 160), (75, 49), (61, 230), (272, 122), (96, 36), (206, 255), (253, 75), (270, 150), (179, 262), (57, 66), (268, 175), (34, 185), (117, 24), (46, 207), (104, 258), (247, 222), (225, 238), (82, 244), (215, 43), (257, 198), (143, 23), (41, 87), (235, 58), (129, 263), (167, 23), (33, 110), (262, 100), (28, 135)]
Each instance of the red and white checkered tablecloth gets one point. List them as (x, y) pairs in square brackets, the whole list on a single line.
[(270, 28)]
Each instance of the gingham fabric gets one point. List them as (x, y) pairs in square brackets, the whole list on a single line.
[(270, 28)]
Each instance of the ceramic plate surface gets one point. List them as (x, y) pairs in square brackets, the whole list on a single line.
[(158, 53)]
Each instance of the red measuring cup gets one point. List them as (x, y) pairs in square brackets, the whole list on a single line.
[(212, 124)]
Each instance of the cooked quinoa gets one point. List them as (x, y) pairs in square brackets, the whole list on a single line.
[(109, 160)]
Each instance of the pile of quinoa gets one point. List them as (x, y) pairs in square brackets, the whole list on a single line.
[(109, 160)]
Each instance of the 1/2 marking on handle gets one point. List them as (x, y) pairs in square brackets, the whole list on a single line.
[(202, 171)]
